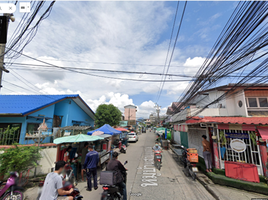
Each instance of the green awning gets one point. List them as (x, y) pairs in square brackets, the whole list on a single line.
[(76, 138)]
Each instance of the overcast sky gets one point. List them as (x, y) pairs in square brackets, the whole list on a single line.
[(130, 36)]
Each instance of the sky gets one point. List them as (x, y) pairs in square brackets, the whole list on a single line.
[(131, 36)]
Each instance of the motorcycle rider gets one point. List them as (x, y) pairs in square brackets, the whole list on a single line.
[(115, 165), (157, 147), (53, 185)]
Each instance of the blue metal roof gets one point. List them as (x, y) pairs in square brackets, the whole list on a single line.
[(23, 104)]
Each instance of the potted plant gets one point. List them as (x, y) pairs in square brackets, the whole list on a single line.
[(222, 143)]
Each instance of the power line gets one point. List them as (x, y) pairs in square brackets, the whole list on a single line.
[(171, 56)]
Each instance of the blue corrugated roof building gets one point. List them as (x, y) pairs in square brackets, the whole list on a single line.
[(27, 112)]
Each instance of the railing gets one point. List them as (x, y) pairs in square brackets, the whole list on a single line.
[(9, 136)]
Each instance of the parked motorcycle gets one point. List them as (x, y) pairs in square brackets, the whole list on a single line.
[(123, 149), (189, 159), (113, 192), (11, 190)]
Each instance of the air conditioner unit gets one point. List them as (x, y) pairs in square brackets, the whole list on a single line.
[(203, 125)]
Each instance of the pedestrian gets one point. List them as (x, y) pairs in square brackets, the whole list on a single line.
[(90, 166), (83, 157), (53, 185), (67, 155), (207, 153), (115, 165)]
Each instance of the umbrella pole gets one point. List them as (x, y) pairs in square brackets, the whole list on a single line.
[(58, 152)]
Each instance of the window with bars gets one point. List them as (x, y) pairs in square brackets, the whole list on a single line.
[(250, 155)]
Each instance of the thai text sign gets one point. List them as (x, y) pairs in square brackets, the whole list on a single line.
[(237, 135)]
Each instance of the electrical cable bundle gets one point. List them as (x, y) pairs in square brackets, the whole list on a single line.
[(242, 43)]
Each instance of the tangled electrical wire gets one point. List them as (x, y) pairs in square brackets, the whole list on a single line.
[(242, 44), (26, 31)]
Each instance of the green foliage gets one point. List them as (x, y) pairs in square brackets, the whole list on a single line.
[(222, 137), (253, 137), (7, 135), (107, 114), (23, 157)]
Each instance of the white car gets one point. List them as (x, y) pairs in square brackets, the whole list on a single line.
[(133, 137)]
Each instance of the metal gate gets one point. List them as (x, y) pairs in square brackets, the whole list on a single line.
[(250, 155)]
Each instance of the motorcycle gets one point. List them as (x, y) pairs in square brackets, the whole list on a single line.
[(123, 149), (158, 159), (114, 192), (11, 190), (67, 185), (189, 160)]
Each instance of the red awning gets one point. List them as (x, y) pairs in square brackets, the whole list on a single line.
[(263, 131)]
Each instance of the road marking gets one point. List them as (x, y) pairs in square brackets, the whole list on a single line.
[(149, 172)]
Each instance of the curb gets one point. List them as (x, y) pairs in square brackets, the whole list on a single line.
[(208, 188)]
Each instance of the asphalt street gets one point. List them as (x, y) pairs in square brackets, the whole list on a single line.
[(144, 181)]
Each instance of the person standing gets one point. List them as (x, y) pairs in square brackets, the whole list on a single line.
[(67, 155), (207, 153), (53, 185), (90, 166), (115, 165), (83, 158)]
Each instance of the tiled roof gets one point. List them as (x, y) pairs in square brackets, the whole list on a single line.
[(23, 104), (229, 120)]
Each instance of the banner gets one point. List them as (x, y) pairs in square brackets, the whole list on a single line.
[(237, 135)]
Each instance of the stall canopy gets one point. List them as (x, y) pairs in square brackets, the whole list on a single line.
[(263, 131), (105, 135), (97, 133), (77, 138), (122, 129), (106, 129)]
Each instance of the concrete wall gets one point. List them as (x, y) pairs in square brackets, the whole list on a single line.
[(177, 137), (130, 113), (195, 139)]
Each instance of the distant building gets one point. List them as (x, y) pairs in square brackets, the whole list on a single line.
[(152, 118), (130, 114)]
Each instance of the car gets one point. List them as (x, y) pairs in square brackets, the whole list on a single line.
[(133, 137)]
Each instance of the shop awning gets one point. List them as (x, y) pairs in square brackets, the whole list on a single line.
[(105, 135), (263, 131), (76, 138)]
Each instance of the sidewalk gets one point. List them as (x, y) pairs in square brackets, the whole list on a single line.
[(226, 193)]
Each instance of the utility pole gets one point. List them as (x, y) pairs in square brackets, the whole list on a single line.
[(4, 21), (157, 111)]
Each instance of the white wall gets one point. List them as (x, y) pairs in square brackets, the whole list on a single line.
[(47, 161), (232, 105), (177, 137), (195, 139)]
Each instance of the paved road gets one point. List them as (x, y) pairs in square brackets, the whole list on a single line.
[(145, 182)]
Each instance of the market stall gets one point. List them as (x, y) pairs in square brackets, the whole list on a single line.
[(124, 135), (77, 144)]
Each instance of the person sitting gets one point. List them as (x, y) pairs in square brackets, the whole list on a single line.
[(53, 185), (116, 165), (157, 147)]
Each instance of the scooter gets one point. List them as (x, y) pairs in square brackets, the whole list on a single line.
[(114, 192), (11, 190), (190, 164), (158, 159), (123, 149)]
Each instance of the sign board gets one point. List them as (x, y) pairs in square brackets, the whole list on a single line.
[(238, 145), (237, 135)]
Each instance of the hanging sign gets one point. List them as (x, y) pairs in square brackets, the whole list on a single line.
[(237, 135), (238, 145)]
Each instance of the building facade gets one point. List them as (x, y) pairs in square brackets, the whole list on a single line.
[(130, 114), (25, 113)]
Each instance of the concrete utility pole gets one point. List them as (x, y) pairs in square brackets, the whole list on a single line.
[(4, 20), (157, 111)]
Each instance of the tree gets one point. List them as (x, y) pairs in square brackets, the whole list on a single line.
[(107, 114), (20, 157)]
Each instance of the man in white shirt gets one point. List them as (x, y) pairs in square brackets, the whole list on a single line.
[(53, 185)]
